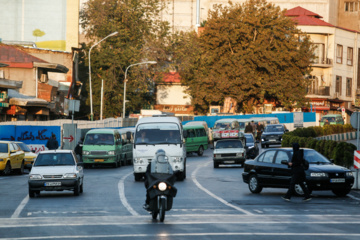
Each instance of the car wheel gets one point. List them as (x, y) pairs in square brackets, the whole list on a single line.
[(31, 193), (77, 189), (82, 187), (200, 151), (216, 165), (254, 185), (7, 169), (341, 192), (21, 170), (138, 177)]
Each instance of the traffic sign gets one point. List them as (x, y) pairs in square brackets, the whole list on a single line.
[(354, 119)]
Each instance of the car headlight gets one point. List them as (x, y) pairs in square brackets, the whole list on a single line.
[(318, 174), (250, 147), (86, 153), (138, 161), (241, 154), (111, 152), (162, 186), (349, 174), (35, 177), (177, 159), (69, 175)]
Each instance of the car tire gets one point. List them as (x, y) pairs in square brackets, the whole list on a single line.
[(254, 185), (341, 192), (200, 151), (31, 193), (21, 170), (216, 165), (77, 189), (7, 169), (138, 177)]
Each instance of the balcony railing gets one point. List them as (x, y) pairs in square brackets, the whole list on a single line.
[(323, 62), (322, 91)]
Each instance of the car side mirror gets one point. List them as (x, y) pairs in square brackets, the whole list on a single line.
[(285, 162)]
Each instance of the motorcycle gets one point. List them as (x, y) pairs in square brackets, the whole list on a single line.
[(160, 186)]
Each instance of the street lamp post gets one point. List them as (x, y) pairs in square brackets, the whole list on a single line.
[(149, 62), (91, 104)]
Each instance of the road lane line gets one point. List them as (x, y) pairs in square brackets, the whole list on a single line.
[(193, 176), (123, 199), (18, 210), (353, 197)]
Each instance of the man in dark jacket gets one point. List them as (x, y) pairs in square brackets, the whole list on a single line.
[(78, 149), (298, 173), (52, 143)]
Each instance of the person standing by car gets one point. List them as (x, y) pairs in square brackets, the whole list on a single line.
[(78, 149), (249, 128), (298, 173), (52, 143)]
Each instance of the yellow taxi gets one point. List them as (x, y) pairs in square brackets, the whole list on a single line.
[(11, 158), (29, 155)]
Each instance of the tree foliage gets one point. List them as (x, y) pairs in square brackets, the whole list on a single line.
[(250, 52), (138, 23)]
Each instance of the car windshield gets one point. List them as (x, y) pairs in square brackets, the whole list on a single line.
[(24, 147), (158, 133), (314, 157), (3, 147), (329, 119), (276, 128), (222, 125), (54, 159), (228, 144), (99, 139)]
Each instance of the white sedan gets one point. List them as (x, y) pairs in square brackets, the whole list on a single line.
[(229, 151), (56, 170)]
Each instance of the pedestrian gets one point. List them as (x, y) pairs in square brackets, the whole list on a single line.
[(249, 128), (253, 125), (52, 143), (297, 173), (78, 149)]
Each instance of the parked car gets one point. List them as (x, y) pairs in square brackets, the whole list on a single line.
[(229, 151), (11, 158), (270, 169), (331, 119), (56, 170), (196, 139), (272, 134), (29, 155), (252, 148)]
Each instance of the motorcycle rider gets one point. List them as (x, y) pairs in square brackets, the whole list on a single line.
[(159, 164)]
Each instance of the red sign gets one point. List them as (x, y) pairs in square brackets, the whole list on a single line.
[(71, 138)]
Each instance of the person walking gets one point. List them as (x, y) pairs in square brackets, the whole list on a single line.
[(52, 143), (298, 173), (78, 149)]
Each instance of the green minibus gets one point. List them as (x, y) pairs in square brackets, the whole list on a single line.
[(196, 139)]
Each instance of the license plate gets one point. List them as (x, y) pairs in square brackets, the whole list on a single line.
[(229, 161), (272, 140), (337, 180), (52, 184), (98, 160)]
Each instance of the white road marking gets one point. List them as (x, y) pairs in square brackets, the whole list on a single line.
[(193, 176), (18, 210), (353, 197), (123, 199)]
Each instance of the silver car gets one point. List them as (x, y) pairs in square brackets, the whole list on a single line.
[(56, 170), (229, 151)]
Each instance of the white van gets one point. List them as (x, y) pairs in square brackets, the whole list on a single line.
[(154, 133)]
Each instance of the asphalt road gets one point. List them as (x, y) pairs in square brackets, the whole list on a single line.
[(211, 204)]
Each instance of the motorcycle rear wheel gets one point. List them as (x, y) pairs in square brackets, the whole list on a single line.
[(162, 210)]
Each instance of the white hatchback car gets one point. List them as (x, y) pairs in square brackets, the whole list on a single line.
[(56, 170)]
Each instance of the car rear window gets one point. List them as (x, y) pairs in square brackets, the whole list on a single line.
[(229, 144)]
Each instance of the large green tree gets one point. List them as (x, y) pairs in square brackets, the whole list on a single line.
[(250, 52), (138, 23)]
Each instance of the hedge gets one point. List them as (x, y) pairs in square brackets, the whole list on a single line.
[(341, 152)]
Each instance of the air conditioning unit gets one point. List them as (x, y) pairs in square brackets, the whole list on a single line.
[(2, 75), (43, 78)]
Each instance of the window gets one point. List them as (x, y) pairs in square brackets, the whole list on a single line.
[(351, 6), (319, 53), (268, 156), (314, 85), (338, 85), (339, 53), (281, 155), (348, 86), (349, 56)]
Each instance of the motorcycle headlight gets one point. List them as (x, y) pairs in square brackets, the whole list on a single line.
[(35, 177), (162, 186), (111, 152), (86, 153), (349, 174)]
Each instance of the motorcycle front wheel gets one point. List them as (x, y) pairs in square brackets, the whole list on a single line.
[(162, 210)]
